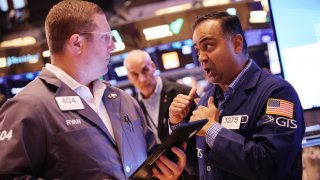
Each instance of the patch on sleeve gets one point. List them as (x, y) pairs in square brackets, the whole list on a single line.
[(280, 107)]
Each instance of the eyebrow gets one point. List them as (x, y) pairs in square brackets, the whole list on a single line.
[(202, 40), (206, 39), (145, 67)]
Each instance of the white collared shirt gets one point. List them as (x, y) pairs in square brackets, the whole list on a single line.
[(152, 105), (94, 101)]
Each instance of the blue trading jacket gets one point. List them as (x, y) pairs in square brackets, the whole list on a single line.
[(267, 145), (41, 141)]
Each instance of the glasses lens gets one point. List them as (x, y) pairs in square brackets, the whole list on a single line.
[(108, 38)]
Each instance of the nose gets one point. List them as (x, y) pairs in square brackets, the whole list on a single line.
[(202, 57), (141, 78), (112, 46)]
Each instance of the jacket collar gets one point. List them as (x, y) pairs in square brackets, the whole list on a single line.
[(167, 95), (248, 82), (88, 114)]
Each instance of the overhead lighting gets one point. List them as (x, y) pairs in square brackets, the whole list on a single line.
[(173, 9), (232, 11), (116, 35), (165, 30), (120, 46), (176, 25), (187, 81), (157, 32), (206, 3), (12, 60), (46, 54), (3, 62), (18, 42), (258, 17)]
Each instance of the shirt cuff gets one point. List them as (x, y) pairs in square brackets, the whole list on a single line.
[(174, 127), (212, 133)]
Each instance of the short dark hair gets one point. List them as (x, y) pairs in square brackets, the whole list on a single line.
[(66, 18), (230, 25)]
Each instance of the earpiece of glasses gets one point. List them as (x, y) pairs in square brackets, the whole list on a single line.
[(106, 36)]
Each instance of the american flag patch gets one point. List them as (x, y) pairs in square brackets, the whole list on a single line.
[(280, 107)]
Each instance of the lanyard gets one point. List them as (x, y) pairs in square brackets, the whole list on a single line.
[(147, 115)]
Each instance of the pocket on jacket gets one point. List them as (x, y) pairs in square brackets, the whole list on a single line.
[(84, 150)]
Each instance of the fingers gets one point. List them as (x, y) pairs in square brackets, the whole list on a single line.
[(176, 115), (184, 146), (167, 168), (183, 99), (164, 168), (181, 156), (211, 102), (180, 106), (199, 113), (193, 92)]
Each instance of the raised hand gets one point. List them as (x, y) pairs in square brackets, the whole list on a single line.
[(211, 113), (180, 106)]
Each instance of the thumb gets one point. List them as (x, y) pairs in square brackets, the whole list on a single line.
[(211, 102), (193, 92)]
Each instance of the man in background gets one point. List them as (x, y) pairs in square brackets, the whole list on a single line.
[(67, 124), (256, 122), (155, 94)]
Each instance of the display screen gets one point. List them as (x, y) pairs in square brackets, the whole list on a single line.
[(12, 84), (170, 60), (297, 31), (180, 54), (116, 70), (258, 36)]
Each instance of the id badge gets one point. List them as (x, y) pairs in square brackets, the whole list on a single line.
[(67, 103)]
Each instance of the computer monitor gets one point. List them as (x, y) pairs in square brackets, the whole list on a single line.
[(116, 70), (297, 31), (258, 36), (10, 85), (259, 53), (176, 55)]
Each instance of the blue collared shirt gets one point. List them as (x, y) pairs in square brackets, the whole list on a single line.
[(216, 127)]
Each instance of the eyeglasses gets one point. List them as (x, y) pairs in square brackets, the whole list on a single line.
[(106, 37)]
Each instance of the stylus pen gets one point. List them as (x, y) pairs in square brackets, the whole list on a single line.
[(129, 122)]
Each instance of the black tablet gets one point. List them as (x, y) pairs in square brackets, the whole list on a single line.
[(176, 138)]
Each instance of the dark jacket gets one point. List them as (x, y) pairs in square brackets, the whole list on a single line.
[(169, 91), (266, 146), (50, 143)]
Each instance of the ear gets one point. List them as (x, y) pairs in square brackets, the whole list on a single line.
[(238, 43), (75, 42)]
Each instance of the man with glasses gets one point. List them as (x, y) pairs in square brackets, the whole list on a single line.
[(67, 124)]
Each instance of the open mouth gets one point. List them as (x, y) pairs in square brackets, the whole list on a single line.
[(210, 72)]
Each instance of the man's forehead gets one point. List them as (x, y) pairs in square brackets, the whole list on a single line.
[(135, 63), (209, 29), (212, 26), (100, 22)]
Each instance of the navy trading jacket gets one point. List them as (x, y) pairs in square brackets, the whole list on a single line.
[(267, 142), (39, 140)]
